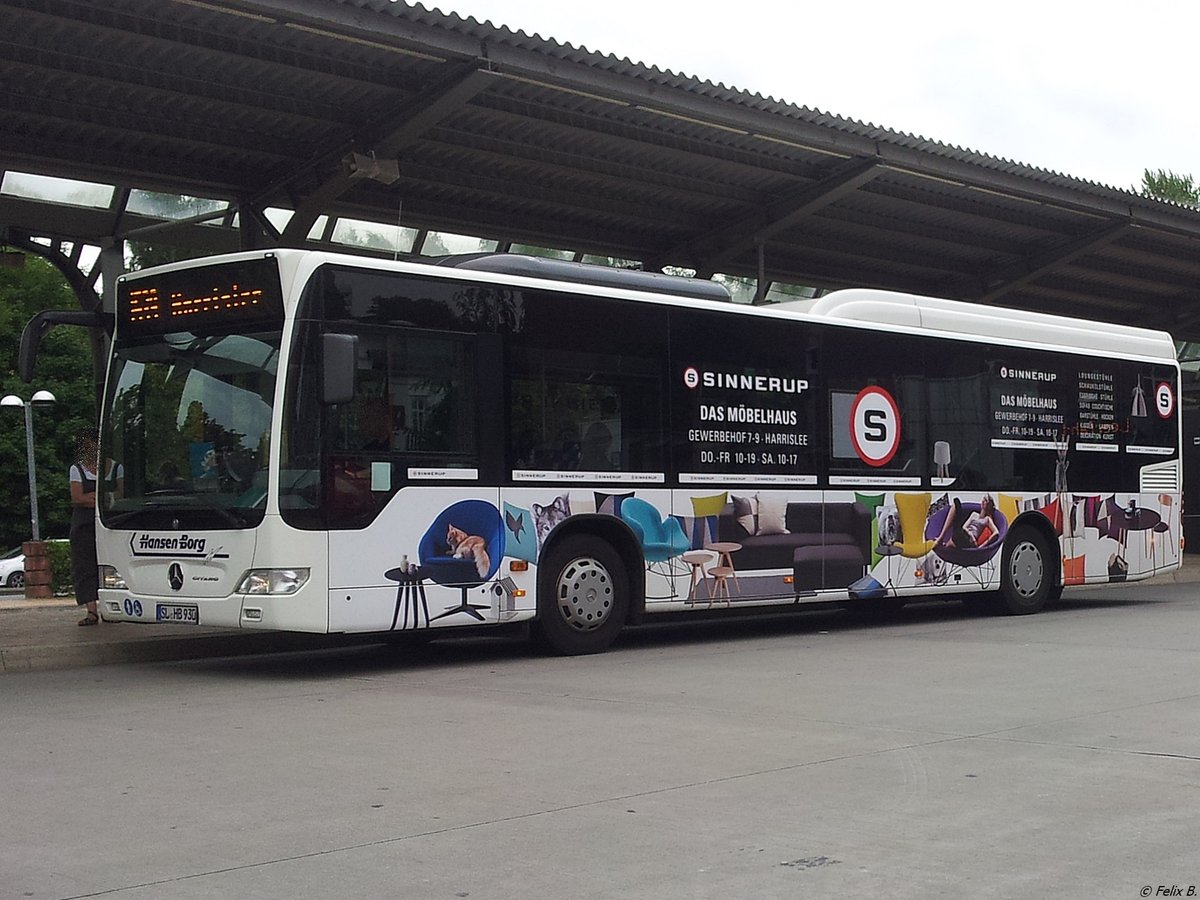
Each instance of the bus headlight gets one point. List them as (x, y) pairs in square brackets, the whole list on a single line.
[(110, 579), (272, 581)]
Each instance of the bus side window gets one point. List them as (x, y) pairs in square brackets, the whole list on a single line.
[(415, 395), (588, 397), (574, 418)]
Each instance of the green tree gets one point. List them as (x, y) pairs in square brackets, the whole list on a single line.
[(434, 246), (1163, 184), (536, 250), (366, 238), (64, 368), (162, 248)]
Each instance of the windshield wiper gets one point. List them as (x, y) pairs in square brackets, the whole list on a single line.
[(116, 520), (233, 518), (190, 500)]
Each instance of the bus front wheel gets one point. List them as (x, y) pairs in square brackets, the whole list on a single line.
[(1026, 572), (583, 596)]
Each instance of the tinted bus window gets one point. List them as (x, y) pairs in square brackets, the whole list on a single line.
[(584, 382)]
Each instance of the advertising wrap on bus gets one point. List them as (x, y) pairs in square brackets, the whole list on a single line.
[(488, 448)]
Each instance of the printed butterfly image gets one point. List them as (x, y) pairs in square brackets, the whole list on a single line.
[(515, 525)]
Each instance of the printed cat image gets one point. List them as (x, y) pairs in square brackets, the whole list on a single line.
[(546, 517), (469, 546)]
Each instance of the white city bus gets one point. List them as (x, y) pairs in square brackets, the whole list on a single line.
[(324, 443)]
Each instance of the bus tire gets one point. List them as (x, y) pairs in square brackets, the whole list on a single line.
[(583, 596), (1026, 572)]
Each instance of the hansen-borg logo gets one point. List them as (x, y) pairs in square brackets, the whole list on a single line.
[(175, 576), (147, 543)]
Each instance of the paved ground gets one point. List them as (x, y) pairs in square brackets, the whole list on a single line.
[(943, 755), (42, 634)]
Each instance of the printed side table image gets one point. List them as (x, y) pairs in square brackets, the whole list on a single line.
[(410, 591), (720, 576), (697, 559), (725, 551)]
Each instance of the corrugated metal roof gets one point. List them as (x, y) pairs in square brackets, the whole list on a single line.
[(487, 31), (523, 138)]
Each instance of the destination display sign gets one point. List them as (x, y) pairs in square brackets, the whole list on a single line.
[(218, 297)]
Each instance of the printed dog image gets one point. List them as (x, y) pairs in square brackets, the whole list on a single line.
[(933, 569)]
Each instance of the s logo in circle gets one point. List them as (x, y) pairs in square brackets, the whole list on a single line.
[(1164, 400), (175, 576), (875, 426)]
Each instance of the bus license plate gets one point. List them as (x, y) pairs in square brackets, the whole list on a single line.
[(178, 613)]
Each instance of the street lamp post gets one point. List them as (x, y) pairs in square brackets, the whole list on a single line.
[(39, 398)]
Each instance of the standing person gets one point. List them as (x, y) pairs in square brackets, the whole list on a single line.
[(83, 525)]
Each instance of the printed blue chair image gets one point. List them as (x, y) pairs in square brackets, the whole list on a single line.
[(661, 539), (477, 518)]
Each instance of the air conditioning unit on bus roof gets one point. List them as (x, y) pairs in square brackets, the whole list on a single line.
[(992, 323), (598, 276)]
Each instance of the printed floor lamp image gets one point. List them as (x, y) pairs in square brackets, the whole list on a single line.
[(463, 548)]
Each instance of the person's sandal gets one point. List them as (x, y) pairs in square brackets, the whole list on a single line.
[(90, 619)]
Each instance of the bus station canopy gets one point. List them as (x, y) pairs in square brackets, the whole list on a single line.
[(287, 117)]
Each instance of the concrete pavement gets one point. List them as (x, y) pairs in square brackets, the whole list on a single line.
[(941, 756), (42, 634)]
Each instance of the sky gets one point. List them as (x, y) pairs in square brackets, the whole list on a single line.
[(1096, 90)]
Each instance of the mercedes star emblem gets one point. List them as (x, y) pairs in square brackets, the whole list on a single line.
[(175, 576)]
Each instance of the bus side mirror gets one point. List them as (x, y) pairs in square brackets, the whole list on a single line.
[(42, 322), (338, 355)]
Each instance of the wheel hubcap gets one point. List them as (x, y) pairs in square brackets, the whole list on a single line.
[(585, 594), (1027, 569)]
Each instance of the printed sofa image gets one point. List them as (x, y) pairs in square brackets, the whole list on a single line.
[(825, 545)]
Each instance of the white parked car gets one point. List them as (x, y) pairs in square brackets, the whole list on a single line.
[(12, 568)]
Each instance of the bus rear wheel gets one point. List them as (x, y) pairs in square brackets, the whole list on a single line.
[(583, 596), (1026, 572)]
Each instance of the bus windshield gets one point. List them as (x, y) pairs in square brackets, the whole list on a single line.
[(187, 430)]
